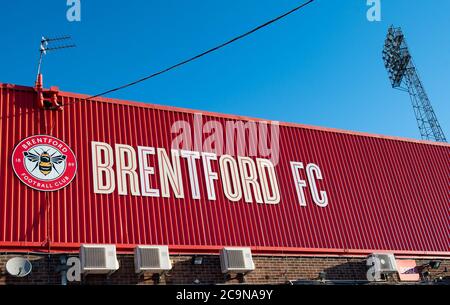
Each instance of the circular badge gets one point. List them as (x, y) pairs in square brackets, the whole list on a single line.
[(44, 163)]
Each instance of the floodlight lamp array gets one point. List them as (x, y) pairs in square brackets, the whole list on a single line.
[(395, 56)]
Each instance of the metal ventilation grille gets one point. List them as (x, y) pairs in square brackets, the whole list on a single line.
[(95, 257), (150, 258), (235, 259)]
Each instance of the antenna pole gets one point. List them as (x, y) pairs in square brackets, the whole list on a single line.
[(39, 75), (44, 48), (47, 99), (39, 65)]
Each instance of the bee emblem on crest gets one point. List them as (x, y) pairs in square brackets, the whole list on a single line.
[(44, 161)]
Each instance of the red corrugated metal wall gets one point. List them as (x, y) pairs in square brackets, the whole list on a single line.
[(384, 193)]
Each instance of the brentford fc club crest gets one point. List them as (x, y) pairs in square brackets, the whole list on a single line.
[(44, 163)]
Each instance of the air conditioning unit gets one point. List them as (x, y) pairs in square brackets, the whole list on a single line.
[(236, 260), (386, 261), (152, 258), (98, 259)]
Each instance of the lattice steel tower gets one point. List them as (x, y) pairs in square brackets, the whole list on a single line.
[(403, 76)]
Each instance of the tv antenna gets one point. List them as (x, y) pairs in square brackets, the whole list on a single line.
[(44, 47), (403, 76), (47, 99)]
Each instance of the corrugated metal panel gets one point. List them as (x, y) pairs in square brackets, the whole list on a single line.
[(384, 193)]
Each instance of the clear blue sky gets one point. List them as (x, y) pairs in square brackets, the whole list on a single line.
[(321, 66)]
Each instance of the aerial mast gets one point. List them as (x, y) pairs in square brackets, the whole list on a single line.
[(47, 99)]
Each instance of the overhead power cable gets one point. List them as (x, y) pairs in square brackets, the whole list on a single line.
[(201, 54)]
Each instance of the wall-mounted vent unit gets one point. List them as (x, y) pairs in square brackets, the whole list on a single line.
[(152, 258), (236, 260), (383, 262), (98, 259)]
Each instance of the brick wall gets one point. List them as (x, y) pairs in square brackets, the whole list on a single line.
[(269, 270)]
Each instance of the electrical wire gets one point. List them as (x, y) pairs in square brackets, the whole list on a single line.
[(196, 56)]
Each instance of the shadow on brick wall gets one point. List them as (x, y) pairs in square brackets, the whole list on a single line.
[(185, 272), (350, 270)]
